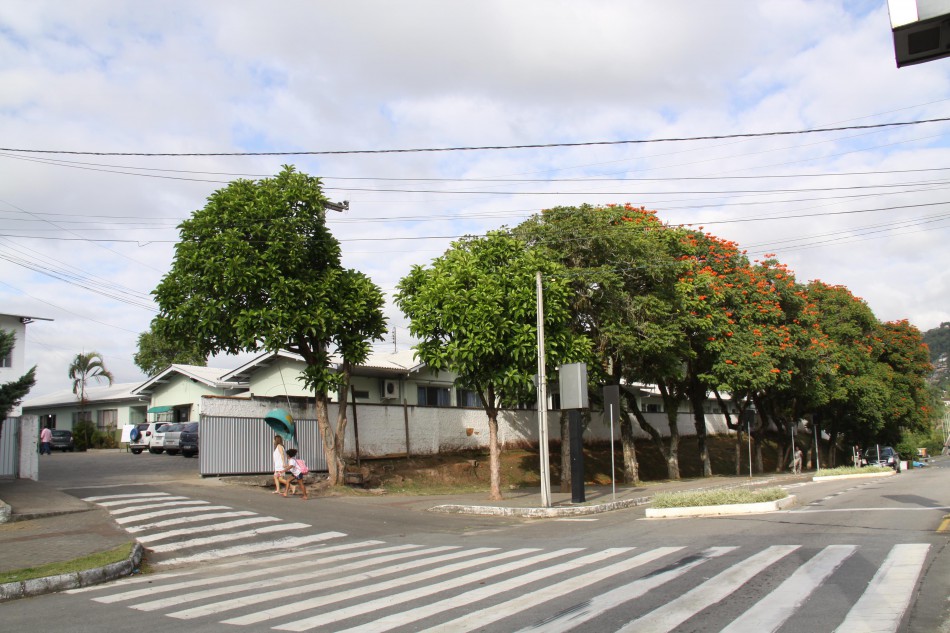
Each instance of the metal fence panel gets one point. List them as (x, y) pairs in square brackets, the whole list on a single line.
[(9, 440), (245, 446)]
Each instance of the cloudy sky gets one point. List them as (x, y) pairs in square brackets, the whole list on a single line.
[(85, 237)]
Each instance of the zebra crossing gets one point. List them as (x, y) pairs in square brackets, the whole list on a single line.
[(328, 581)]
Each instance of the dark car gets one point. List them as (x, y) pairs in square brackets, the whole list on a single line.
[(883, 456), (62, 440), (188, 440)]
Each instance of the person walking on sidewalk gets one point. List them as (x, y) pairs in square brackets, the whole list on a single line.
[(797, 461), (46, 437), (281, 465)]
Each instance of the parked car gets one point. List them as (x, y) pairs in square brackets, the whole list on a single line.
[(883, 456), (172, 443), (62, 440), (142, 437), (188, 441), (158, 438)]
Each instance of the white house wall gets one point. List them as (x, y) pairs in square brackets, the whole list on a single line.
[(183, 390), (382, 428)]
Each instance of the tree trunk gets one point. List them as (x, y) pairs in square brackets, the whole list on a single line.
[(565, 452), (653, 433), (698, 403), (339, 435), (329, 438), (494, 461), (631, 469)]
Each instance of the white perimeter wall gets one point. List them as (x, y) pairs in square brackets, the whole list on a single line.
[(382, 428)]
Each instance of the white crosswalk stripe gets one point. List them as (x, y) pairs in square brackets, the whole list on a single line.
[(882, 606), (326, 581), (137, 513)]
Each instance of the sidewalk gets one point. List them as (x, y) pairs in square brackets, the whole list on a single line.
[(41, 525)]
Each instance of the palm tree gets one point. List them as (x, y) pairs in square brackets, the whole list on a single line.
[(86, 367)]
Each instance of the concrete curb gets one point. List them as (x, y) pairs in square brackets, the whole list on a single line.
[(722, 510), (542, 513), (62, 582), (855, 476)]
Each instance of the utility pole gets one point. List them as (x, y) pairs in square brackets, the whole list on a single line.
[(543, 404)]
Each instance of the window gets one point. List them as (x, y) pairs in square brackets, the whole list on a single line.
[(82, 416), (360, 395), (434, 396), (107, 419), (654, 408), (468, 398), (7, 359)]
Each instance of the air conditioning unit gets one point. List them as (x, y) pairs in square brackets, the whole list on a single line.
[(390, 390)]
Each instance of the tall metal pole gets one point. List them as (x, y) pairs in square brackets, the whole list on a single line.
[(543, 405), (613, 466), (749, 429)]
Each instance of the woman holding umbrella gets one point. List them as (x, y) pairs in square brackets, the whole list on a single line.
[(281, 465)]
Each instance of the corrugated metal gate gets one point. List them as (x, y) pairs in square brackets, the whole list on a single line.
[(9, 440), (245, 446)]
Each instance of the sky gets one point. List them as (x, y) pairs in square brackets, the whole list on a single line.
[(86, 236)]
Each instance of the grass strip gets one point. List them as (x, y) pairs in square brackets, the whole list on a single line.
[(851, 470), (92, 561), (729, 496)]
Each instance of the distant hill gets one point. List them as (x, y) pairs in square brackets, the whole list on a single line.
[(938, 340)]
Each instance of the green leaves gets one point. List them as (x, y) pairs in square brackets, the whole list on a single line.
[(258, 269)]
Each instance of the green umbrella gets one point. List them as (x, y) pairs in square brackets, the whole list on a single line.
[(282, 423)]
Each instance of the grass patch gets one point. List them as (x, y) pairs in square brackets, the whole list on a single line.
[(851, 470), (80, 564), (716, 497)]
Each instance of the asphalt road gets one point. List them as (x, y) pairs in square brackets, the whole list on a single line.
[(853, 548)]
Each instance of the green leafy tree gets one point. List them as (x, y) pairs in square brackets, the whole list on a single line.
[(474, 312), (258, 269), (11, 393), (156, 353), (625, 265), (86, 367)]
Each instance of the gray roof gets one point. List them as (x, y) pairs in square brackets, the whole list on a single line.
[(65, 397)]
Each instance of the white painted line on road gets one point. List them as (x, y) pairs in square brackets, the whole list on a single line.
[(576, 615), (155, 506), (471, 597), (133, 495), (321, 548), (189, 519), (234, 536), (216, 527), (881, 607), (569, 520), (770, 613), (166, 513), (488, 615), (204, 582), (283, 610), (281, 594), (421, 592), (911, 509), (241, 550), (138, 501), (714, 590)]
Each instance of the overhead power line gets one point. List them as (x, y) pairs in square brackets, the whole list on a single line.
[(470, 148)]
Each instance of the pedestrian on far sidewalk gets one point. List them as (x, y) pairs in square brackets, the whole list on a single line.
[(46, 437), (797, 461)]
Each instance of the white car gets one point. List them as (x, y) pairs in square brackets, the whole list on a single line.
[(143, 437)]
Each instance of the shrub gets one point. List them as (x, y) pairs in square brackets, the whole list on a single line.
[(716, 497)]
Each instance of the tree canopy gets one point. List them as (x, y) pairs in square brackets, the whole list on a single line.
[(11, 393), (258, 269), (474, 312), (155, 353)]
